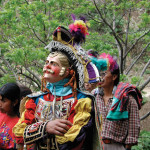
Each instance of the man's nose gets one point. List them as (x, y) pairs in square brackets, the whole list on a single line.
[(48, 66), (100, 79)]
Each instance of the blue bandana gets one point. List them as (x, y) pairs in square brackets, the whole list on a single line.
[(58, 88)]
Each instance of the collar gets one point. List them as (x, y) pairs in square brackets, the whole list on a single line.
[(58, 88), (100, 91)]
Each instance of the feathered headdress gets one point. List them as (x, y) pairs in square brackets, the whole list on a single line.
[(112, 63), (62, 42), (79, 29), (93, 53)]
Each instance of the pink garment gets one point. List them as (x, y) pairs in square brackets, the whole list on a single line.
[(6, 135)]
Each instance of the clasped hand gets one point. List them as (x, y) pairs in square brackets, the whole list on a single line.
[(58, 126)]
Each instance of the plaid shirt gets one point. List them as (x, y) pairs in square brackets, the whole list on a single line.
[(124, 131)]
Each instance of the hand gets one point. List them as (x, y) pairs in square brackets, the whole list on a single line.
[(128, 147), (58, 126)]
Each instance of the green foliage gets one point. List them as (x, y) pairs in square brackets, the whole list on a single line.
[(123, 78), (143, 142), (147, 72), (98, 43), (135, 79), (26, 27), (146, 58), (6, 78), (145, 100)]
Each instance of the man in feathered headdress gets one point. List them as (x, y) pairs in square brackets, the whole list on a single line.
[(118, 107), (60, 116)]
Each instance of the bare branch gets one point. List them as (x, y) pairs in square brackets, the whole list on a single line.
[(10, 68), (127, 30), (145, 68), (36, 35), (145, 116), (36, 63), (34, 75), (114, 34), (4, 71), (90, 16), (135, 43), (143, 72), (144, 84), (32, 79), (128, 70), (27, 2)]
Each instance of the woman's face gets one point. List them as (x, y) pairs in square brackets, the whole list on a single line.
[(6, 105)]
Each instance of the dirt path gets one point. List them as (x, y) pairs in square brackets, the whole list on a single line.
[(145, 109), (147, 92)]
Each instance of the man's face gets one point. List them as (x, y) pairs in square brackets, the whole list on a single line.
[(90, 86), (106, 79), (52, 69)]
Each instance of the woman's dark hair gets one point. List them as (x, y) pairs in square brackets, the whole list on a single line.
[(24, 91), (116, 72), (11, 91), (93, 53)]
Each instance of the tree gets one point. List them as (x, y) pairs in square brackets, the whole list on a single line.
[(26, 27), (128, 23)]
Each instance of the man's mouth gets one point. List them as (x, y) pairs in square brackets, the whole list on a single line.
[(101, 82), (48, 71)]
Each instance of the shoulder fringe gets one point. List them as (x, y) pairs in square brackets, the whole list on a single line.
[(22, 104)]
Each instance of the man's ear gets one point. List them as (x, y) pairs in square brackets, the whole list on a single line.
[(62, 71), (67, 72), (115, 77)]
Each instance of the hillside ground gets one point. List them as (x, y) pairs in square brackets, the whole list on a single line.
[(145, 124)]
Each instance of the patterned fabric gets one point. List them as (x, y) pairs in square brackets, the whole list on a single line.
[(7, 140), (34, 132), (80, 113), (118, 110), (122, 131)]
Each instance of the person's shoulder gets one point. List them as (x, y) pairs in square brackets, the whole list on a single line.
[(2, 115), (82, 94), (98, 91), (132, 99), (36, 94)]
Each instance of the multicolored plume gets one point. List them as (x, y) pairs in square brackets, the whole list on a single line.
[(101, 64), (78, 29), (112, 63)]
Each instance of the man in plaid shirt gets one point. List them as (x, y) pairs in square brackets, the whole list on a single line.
[(118, 107)]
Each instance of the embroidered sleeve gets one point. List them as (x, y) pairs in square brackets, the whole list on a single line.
[(34, 132), (80, 117), (26, 118), (134, 122)]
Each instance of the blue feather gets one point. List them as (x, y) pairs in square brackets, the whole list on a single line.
[(101, 64)]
